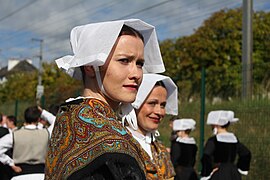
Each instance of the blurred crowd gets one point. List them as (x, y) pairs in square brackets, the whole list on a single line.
[(23, 149)]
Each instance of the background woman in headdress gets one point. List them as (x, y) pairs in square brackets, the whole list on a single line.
[(184, 149), (221, 150), (88, 141), (156, 97)]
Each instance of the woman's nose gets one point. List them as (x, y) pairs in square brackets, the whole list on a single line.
[(135, 72)]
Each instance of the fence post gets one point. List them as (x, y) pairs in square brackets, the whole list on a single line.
[(16, 108), (202, 114)]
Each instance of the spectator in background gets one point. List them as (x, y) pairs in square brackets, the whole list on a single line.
[(48, 117), (5, 170), (221, 150), (3, 129), (29, 148), (3, 122), (184, 149), (12, 123), (156, 97), (173, 133), (54, 108)]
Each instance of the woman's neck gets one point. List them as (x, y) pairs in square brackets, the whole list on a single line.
[(99, 95), (141, 131), (221, 130), (184, 135)]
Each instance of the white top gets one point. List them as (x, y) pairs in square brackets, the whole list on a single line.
[(92, 43), (221, 117), (148, 83), (183, 124), (36, 176)]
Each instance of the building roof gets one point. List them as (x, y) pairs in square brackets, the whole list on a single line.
[(22, 66)]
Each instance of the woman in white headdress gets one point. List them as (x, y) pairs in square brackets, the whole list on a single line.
[(156, 97), (221, 150), (184, 149), (88, 142)]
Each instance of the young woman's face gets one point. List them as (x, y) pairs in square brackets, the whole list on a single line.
[(122, 72), (181, 133), (152, 110)]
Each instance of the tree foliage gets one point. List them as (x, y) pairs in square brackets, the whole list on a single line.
[(19, 86), (217, 46), (58, 86)]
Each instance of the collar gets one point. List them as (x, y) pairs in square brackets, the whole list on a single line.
[(186, 140), (226, 137), (148, 138), (30, 126), (82, 97)]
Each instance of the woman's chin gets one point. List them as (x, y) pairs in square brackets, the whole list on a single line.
[(130, 99)]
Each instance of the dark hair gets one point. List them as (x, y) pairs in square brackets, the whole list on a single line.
[(187, 131), (174, 118), (12, 119), (32, 114), (83, 74), (126, 30), (160, 83), (226, 125), (54, 109)]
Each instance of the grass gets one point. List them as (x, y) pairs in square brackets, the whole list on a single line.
[(252, 130)]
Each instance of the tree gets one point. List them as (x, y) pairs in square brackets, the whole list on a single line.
[(217, 45), (58, 86), (19, 86)]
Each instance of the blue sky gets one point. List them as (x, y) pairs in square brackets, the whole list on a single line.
[(50, 20)]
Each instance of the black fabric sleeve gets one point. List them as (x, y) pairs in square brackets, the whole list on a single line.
[(113, 166), (207, 158), (3, 131), (175, 153), (244, 159), (195, 152)]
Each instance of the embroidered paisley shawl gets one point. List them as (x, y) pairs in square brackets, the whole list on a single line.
[(84, 131), (161, 166)]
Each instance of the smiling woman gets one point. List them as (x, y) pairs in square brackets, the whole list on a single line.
[(88, 142), (156, 97)]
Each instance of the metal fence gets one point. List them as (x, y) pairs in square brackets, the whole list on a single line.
[(252, 129)]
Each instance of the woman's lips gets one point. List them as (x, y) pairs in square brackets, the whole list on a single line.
[(131, 87), (155, 120)]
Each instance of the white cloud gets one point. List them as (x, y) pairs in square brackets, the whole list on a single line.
[(52, 20)]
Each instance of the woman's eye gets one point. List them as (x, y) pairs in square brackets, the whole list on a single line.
[(140, 63), (152, 103), (124, 60), (163, 105)]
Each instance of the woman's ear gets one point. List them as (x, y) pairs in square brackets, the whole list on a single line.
[(89, 71)]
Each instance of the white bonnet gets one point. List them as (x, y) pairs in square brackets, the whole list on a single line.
[(221, 117), (183, 124), (148, 82), (92, 43)]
